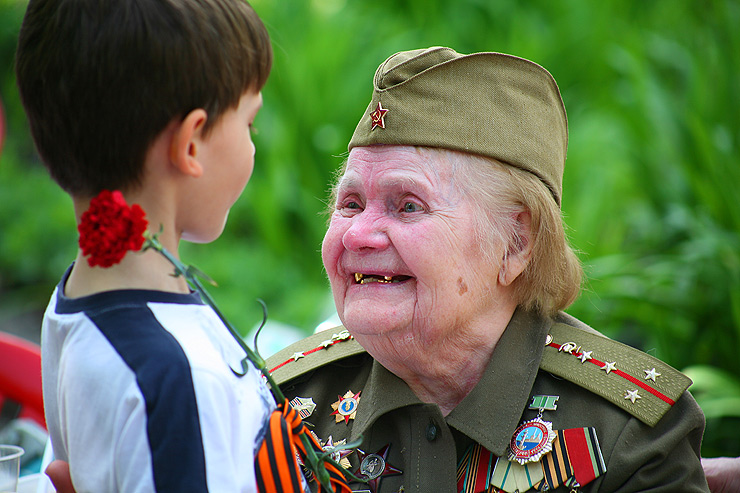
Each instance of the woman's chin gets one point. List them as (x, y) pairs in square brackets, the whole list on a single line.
[(371, 321)]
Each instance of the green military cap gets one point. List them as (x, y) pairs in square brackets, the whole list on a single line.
[(490, 104)]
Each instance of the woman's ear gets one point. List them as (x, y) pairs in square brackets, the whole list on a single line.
[(519, 251), (185, 141)]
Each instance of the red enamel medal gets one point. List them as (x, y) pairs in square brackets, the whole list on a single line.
[(531, 440)]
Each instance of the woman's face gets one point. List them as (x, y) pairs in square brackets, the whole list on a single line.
[(401, 251)]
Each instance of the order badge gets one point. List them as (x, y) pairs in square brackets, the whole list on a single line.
[(531, 441)]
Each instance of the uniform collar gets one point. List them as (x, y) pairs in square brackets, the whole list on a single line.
[(500, 396)]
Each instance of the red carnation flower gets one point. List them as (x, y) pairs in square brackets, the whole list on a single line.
[(110, 228)]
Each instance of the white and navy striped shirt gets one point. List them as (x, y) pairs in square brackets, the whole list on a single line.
[(140, 395)]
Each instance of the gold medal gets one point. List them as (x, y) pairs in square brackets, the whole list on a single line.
[(346, 407)]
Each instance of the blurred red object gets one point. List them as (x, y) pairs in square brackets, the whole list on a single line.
[(20, 376)]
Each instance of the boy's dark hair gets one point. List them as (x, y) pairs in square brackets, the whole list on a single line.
[(100, 79)]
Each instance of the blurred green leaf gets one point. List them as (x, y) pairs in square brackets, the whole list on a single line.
[(650, 188)]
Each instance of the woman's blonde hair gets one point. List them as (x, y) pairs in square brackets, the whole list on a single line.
[(551, 280)]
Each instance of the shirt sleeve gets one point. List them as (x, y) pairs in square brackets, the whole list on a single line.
[(665, 458)]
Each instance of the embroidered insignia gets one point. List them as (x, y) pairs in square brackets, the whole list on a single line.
[(531, 441), (346, 407), (373, 467), (378, 117), (304, 405)]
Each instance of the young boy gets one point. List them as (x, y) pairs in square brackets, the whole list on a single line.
[(154, 98)]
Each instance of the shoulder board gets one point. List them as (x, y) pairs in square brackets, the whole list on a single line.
[(312, 352), (639, 383)]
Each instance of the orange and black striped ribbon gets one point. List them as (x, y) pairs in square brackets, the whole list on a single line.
[(575, 459), (474, 471), (276, 466)]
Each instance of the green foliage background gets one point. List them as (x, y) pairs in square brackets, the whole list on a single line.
[(651, 180)]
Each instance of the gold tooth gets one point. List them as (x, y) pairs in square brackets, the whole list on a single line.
[(358, 277), (388, 278)]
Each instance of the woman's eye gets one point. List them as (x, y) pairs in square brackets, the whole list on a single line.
[(350, 204), (411, 207)]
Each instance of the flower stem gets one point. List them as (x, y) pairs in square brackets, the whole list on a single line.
[(316, 464)]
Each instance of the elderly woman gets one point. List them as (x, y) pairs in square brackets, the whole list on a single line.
[(450, 270)]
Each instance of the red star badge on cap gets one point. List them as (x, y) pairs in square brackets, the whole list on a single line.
[(378, 117)]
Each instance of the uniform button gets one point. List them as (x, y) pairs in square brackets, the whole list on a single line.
[(432, 432)]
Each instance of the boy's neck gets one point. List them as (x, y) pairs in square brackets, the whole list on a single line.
[(137, 270), (148, 270)]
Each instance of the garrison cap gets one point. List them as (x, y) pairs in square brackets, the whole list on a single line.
[(490, 104)]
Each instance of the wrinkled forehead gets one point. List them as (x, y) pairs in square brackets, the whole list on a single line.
[(386, 165)]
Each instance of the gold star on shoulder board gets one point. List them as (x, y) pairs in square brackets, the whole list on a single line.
[(609, 366)]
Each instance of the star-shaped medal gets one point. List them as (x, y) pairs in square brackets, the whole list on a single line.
[(339, 456), (374, 466), (346, 407), (378, 117)]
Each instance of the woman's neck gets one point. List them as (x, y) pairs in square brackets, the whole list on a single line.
[(444, 371)]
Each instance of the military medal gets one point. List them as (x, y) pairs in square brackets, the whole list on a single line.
[(374, 466), (338, 456), (346, 407), (512, 477), (531, 441), (544, 402), (304, 405)]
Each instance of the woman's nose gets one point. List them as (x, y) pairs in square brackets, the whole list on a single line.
[(366, 232)]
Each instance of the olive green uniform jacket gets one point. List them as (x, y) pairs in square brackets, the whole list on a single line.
[(426, 446)]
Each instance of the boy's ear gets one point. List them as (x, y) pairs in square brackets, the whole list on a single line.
[(185, 141)]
